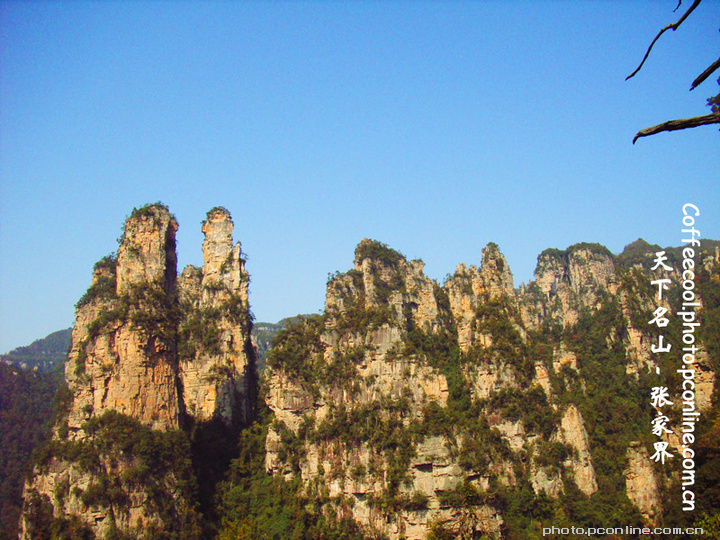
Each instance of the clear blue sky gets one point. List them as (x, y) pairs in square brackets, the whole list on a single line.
[(435, 127)]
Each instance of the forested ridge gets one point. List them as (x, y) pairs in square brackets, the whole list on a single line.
[(529, 487), (26, 407)]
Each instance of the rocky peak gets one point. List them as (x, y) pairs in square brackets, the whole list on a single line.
[(217, 247), (123, 352), (147, 251), (377, 252), (223, 271), (216, 357), (570, 280), (495, 272), (582, 267), (384, 280), (189, 284), (470, 287)]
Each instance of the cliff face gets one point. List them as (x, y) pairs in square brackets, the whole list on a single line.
[(567, 282), (216, 356), (423, 409), (642, 484), (470, 288), (407, 410), (149, 357), (123, 355)]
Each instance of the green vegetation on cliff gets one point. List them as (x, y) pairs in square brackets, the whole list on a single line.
[(614, 404), (256, 506), (127, 458), (497, 423)]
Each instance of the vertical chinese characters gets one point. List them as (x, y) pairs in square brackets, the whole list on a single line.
[(659, 397)]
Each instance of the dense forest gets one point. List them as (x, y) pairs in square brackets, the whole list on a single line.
[(26, 407)]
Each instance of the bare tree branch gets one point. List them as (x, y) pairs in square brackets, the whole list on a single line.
[(705, 74), (674, 125), (678, 6), (673, 27)]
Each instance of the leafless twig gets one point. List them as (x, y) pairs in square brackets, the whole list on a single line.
[(673, 27), (705, 74)]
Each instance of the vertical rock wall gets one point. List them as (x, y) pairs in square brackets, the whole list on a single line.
[(123, 355), (147, 356), (217, 370)]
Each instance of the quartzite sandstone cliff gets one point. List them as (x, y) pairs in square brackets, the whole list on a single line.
[(407, 410), (141, 369), (421, 409)]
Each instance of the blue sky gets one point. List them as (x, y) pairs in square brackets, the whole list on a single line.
[(435, 127)]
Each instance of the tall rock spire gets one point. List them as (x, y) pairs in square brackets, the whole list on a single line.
[(147, 250), (217, 362), (123, 349), (144, 347)]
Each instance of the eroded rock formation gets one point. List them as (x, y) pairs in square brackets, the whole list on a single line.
[(408, 409), (149, 357), (415, 407), (217, 370)]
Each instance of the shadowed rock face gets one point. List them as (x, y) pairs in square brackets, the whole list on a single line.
[(150, 354)]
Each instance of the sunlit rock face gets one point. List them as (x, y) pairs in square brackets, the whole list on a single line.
[(151, 355), (642, 484), (412, 406), (218, 372), (123, 355)]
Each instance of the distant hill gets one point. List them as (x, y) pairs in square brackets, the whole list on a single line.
[(46, 353), (263, 334), (29, 378), (42, 354)]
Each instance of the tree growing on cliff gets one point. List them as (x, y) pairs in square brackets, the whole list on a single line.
[(713, 102)]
